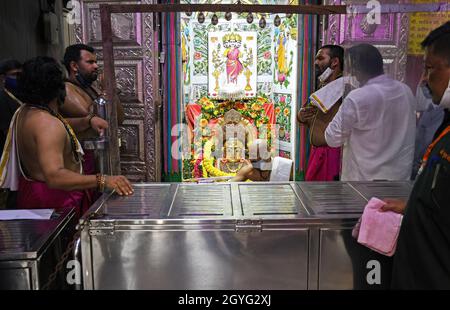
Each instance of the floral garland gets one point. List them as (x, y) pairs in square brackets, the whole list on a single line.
[(205, 172), (251, 109), (208, 162), (197, 173)]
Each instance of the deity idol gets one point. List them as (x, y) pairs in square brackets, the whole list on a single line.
[(232, 42)]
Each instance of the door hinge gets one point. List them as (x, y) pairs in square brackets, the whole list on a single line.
[(102, 228), (246, 226)]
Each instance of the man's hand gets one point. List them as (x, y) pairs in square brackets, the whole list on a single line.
[(120, 184), (396, 205), (99, 125), (306, 114)]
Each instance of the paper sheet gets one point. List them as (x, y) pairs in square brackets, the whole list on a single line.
[(35, 214), (281, 169)]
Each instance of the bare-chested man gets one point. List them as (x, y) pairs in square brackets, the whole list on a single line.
[(324, 161), (49, 152), (81, 64)]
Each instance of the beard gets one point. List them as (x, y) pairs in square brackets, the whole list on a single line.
[(318, 71), (87, 79), (91, 77)]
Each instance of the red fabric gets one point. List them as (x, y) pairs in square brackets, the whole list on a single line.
[(37, 195), (89, 162), (89, 169), (193, 110), (324, 164)]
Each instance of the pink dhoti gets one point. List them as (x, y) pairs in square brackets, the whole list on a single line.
[(89, 162), (324, 164), (37, 195)]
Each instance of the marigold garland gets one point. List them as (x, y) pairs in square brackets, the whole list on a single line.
[(207, 163)]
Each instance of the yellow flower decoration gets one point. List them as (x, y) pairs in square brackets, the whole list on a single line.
[(204, 101), (262, 100), (294, 33), (256, 107), (207, 149), (203, 122), (208, 162), (213, 171), (204, 171), (209, 106), (286, 111)]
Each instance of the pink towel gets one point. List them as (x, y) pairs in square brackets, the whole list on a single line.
[(378, 230)]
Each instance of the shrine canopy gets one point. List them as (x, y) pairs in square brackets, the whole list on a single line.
[(246, 62)]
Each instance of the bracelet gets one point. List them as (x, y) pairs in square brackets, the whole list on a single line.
[(91, 116), (101, 181)]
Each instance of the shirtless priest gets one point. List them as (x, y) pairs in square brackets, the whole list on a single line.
[(48, 171)]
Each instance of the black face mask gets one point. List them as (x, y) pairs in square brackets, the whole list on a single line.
[(11, 84)]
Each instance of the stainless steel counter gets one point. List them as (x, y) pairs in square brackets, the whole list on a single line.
[(30, 249), (233, 236)]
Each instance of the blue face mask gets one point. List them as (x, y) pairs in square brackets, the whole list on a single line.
[(10, 83), (426, 91)]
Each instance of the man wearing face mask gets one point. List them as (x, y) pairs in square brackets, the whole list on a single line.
[(8, 104), (324, 161), (42, 158), (422, 258), (81, 64), (375, 123), (431, 116)]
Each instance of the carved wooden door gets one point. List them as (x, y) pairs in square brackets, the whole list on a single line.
[(390, 36), (136, 69)]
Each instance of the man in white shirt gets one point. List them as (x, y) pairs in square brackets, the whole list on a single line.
[(375, 123)]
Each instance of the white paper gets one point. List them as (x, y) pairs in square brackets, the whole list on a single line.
[(281, 169), (34, 214)]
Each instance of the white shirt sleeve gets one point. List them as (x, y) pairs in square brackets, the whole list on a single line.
[(339, 129)]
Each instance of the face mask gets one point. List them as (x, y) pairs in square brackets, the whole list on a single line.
[(10, 83), (425, 91), (445, 101), (325, 75), (423, 97)]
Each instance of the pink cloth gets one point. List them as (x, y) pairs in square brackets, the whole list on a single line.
[(324, 163), (37, 195), (378, 230), (234, 66), (89, 162)]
